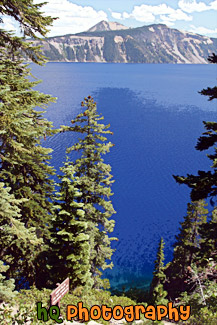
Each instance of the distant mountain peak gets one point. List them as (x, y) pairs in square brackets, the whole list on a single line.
[(104, 25)]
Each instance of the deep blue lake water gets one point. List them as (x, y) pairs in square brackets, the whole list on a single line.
[(156, 115)]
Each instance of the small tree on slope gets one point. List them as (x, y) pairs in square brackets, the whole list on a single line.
[(186, 249), (157, 292)]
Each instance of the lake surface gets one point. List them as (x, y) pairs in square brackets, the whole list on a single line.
[(156, 114)]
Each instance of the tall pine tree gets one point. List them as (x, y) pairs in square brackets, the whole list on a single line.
[(93, 181), (24, 162)]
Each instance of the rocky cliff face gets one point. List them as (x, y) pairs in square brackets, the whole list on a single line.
[(148, 44)]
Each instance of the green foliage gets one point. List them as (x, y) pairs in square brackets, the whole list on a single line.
[(194, 266), (208, 247), (17, 241), (200, 313), (93, 181), (24, 304), (26, 189), (186, 249), (7, 292), (24, 164), (70, 241), (23, 308), (23, 159), (157, 292), (32, 23), (203, 316)]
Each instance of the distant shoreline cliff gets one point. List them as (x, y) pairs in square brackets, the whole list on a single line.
[(112, 42)]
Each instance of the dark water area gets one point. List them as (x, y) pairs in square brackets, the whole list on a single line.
[(156, 114)]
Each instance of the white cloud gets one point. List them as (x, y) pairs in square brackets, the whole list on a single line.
[(203, 30), (140, 13), (179, 15), (72, 18), (147, 14), (213, 5), (9, 24), (75, 18), (120, 16), (154, 10), (116, 15), (190, 6), (125, 15), (166, 21)]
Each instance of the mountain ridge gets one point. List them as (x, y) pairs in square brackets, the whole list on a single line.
[(104, 25), (154, 43)]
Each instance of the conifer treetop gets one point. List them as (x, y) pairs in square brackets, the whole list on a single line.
[(32, 22)]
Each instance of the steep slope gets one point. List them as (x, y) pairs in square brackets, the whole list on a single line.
[(148, 44), (106, 26)]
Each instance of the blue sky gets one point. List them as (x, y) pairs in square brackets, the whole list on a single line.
[(77, 16)]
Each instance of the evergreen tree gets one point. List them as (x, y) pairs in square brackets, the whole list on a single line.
[(24, 167), (186, 248), (188, 240), (93, 181), (208, 245), (32, 23), (70, 241), (157, 292), (23, 161), (16, 241)]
